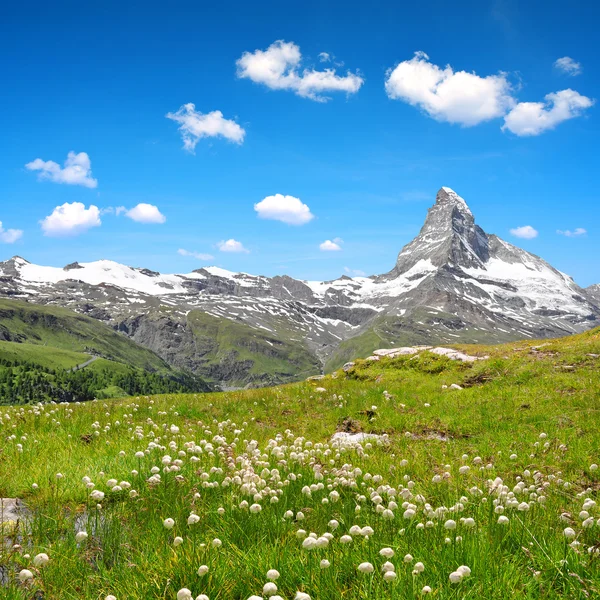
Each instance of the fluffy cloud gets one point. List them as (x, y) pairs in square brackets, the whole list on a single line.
[(278, 67), (71, 219), (287, 209), (324, 57), (575, 233), (198, 255), (527, 232), (446, 95), (77, 170), (567, 65), (331, 245), (533, 118), (195, 125), (232, 246), (9, 236), (143, 213)]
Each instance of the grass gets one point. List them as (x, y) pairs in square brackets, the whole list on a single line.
[(42, 356), (64, 329), (526, 425)]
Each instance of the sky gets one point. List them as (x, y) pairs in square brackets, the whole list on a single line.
[(306, 139)]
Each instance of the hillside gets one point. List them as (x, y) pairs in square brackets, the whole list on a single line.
[(452, 283), (489, 491)]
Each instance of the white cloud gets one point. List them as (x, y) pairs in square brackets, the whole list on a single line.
[(331, 245), (278, 67), (446, 95), (71, 219), (77, 170), (533, 118), (354, 272), (143, 213), (232, 246), (527, 232), (198, 255), (569, 66), (287, 209), (9, 236), (575, 233), (195, 125), (324, 57)]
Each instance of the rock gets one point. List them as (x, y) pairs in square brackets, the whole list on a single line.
[(393, 352), (320, 390), (315, 378), (457, 355), (455, 386), (372, 358), (348, 366), (444, 387)]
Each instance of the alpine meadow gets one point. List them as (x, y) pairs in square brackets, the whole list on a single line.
[(299, 302)]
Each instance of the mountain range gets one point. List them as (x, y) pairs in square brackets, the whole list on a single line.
[(452, 283)]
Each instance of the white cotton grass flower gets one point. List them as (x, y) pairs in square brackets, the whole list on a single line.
[(464, 571), (202, 597), (387, 566), (216, 543), (503, 520), (25, 575), (419, 567), (301, 596), (169, 524), (366, 567), (324, 564), (569, 533), (193, 519), (273, 574), (346, 539), (450, 524), (41, 560), (389, 576), (408, 558), (455, 577), (184, 594), (202, 570), (110, 597), (386, 552), (178, 541), (269, 589), (255, 598), (426, 590), (81, 536)]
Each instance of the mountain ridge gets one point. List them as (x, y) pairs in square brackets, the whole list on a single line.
[(452, 282)]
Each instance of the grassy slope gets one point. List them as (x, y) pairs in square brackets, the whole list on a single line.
[(513, 397), (44, 356), (63, 329), (225, 339)]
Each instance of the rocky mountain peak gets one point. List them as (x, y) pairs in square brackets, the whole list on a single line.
[(449, 236)]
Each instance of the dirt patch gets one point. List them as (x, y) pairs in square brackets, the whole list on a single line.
[(349, 425)]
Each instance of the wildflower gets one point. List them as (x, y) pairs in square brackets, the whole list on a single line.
[(455, 577), (464, 571), (324, 564), (273, 574), (301, 596), (419, 567), (593, 467), (386, 552), (25, 575), (387, 566), (346, 539), (366, 567), (81, 536), (269, 589), (387, 514), (178, 541), (217, 543), (184, 594), (300, 534), (333, 524), (502, 520), (389, 576), (202, 570), (408, 558), (193, 519), (426, 590), (255, 508), (569, 533), (202, 597), (110, 597), (169, 523), (97, 495), (450, 524), (41, 560), (309, 543)]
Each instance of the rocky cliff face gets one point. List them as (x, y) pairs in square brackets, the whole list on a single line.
[(453, 282)]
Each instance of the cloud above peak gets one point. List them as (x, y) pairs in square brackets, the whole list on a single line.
[(448, 95), (195, 125), (568, 66), (286, 209), (331, 245), (143, 213), (526, 232), (77, 170), (533, 118), (279, 68), (71, 219), (232, 245), (9, 236), (577, 232)]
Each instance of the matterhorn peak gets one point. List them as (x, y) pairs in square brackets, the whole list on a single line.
[(448, 197)]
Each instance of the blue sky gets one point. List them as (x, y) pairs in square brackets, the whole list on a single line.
[(100, 79)]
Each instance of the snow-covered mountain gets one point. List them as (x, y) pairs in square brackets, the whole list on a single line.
[(453, 282)]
